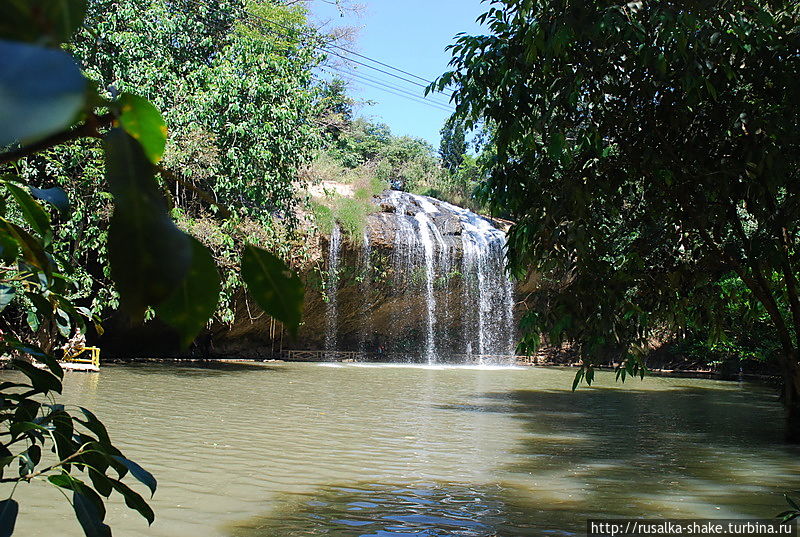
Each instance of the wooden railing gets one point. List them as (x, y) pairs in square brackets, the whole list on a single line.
[(80, 358)]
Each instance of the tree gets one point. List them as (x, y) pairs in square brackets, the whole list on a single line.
[(453, 145), (45, 102), (648, 152), (234, 142), (336, 108)]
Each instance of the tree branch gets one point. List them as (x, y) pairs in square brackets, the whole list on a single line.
[(88, 129), (224, 212)]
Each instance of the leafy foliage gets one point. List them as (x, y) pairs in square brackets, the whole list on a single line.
[(234, 143), (453, 145), (648, 151), (52, 116)]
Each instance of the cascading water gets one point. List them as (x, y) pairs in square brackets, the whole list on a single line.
[(428, 234), (332, 289), (430, 299), (366, 291), (426, 282)]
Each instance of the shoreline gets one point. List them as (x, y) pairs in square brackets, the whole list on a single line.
[(709, 374)]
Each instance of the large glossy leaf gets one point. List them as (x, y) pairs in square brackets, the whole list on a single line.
[(273, 286), (6, 296), (35, 21), (33, 213), (9, 249), (89, 516), (20, 427), (29, 459), (32, 251), (41, 92), (54, 196), (195, 299), (8, 516), (43, 381), (144, 477), (149, 255), (94, 425), (144, 123), (100, 481), (134, 500), (36, 353)]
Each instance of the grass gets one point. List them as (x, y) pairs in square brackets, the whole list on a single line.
[(349, 212)]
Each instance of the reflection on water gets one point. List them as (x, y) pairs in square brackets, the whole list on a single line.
[(424, 510), (304, 449)]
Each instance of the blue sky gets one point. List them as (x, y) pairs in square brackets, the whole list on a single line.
[(410, 35)]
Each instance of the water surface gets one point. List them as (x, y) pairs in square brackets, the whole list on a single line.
[(307, 449)]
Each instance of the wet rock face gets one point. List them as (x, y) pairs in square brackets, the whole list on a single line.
[(426, 279)]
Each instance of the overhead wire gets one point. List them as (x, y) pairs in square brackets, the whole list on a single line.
[(325, 47), (316, 34), (359, 79), (356, 78)]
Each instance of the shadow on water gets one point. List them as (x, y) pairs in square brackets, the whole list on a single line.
[(675, 452), (378, 510), (195, 369), (679, 452)]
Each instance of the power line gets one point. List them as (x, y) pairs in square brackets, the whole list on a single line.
[(376, 69), (353, 77), (324, 47), (390, 86), (315, 34)]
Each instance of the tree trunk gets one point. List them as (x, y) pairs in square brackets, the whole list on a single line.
[(791, 399)]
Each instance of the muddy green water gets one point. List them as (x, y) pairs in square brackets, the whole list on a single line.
[(309, 449)]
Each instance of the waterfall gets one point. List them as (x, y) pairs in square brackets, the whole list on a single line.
[(511, 323), (332, 288), (448, 291), (430, 300), (366, 292)]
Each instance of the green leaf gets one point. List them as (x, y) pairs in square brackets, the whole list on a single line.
[(41, 92), (8, 516), (144, 477), (711, 89), (32, 251), (556, 146), (6, 296), (94, 425), (578, 378), (134, 500), (101, 482), (61, 480), (63, 323), (35, 21), (37, 354), (33, 213), (9, 249), (43, 381), (54, 196), (33, 321), (144, 123), (66, 444), (21, 427), (29, 459), (273, 286), (195, 299), (89, 516), (149, 255)]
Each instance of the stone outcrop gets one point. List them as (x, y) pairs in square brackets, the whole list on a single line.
[(426, 278)]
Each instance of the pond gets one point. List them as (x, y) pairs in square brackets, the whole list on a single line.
[(350, 450)]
